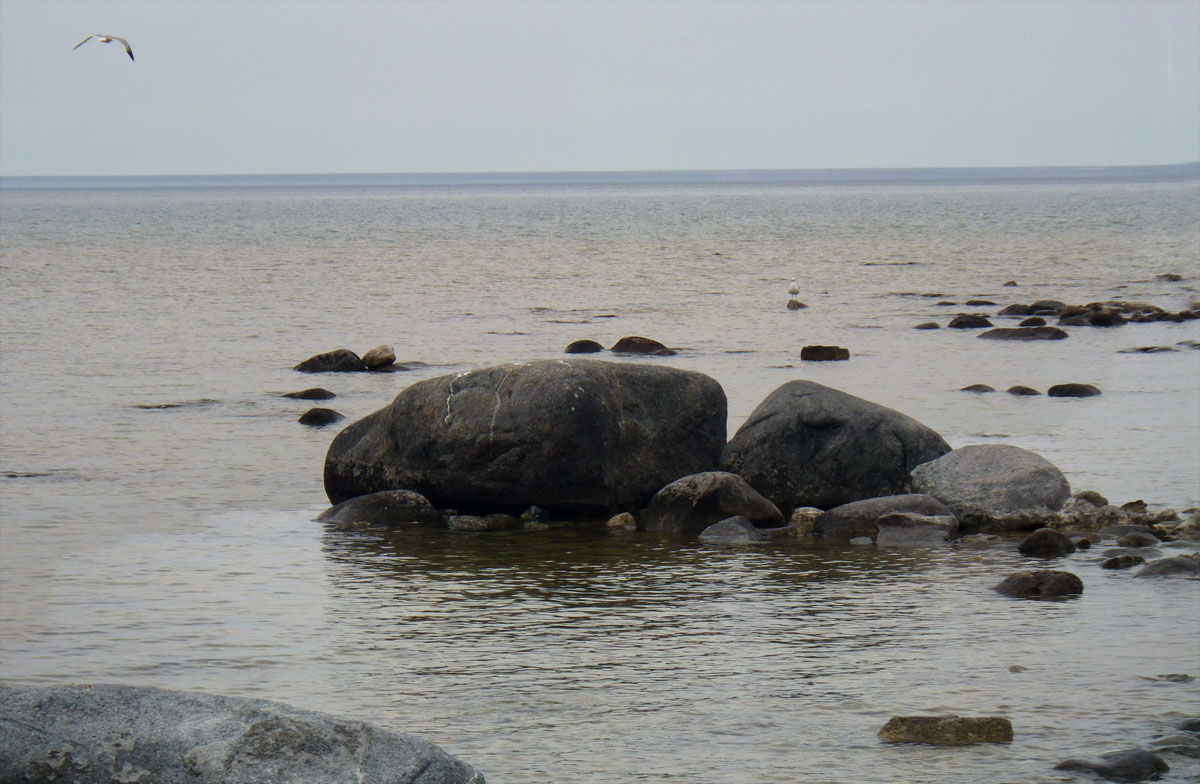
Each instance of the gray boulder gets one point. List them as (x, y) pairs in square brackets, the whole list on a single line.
[(341, 360), (571, 435), (1128, 765), (1024, 333), (994, 487), (1040, 584), (905, 528), (810, 445), (733, 530), (690, 505), (947, 730), (861, 518), (109, 733), (388, 507), (1186, 565)]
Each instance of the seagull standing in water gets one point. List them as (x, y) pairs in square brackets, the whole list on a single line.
[(106, 39)]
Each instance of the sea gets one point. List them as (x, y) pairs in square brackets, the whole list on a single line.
[(158, 495)]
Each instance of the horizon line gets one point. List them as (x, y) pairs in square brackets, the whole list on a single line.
[(533, 172)]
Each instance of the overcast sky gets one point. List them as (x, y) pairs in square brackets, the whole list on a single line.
[(230, 87)]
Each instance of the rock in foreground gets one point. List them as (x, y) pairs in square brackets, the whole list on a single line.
[(102, 734), (571, 435), (947, 730), (1127, 765), (809, 445)]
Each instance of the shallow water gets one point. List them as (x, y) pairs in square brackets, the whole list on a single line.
[(157, 493)]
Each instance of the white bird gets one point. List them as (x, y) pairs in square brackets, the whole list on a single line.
[(106, 39), (794, 289)]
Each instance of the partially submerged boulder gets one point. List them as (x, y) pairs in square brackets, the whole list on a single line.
[(693, 503), (635, 344), (1046, 543), (994, 487), (1128, 765), (1040, 584), (109, 733), (584, 347), (733, 530), (809, 445), (319, 417), (901, 529), (1024, 333), (388, 507), (572, 435), (1185, 565), (861, 518), (948, 730), (379, 357), (341, 360)]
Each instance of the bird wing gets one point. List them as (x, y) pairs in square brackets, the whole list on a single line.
[(124, 43), (81, 43)]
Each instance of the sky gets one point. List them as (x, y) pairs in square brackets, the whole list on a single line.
[(309, 86)]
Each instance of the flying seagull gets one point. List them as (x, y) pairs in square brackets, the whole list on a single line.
[(106, 39)]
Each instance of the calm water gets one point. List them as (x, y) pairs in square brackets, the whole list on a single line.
[(158, 529)]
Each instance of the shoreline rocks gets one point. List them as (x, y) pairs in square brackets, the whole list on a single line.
[(132, 733)]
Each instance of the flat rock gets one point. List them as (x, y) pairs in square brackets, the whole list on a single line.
[(948, 730), (824, 354), (1184, 565), (315, 393), (1024, 333), (107, 733), (341, 360)]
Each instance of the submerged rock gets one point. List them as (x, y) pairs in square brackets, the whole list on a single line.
[(639, 345), (584, 347), (1073, 390), (574, 435), (1127, 765), (733, 530), (978, 388), (1040, 584), (1186, 565), (947, 730), (906, 528), (1023, 391), (1024, 333), (969, 321), (389, 507), (824, 354), (1047, 543), (861, 518), (316, 393), (809, 445), (109, 733), (1122, 561), (994, 487), (319, 417)]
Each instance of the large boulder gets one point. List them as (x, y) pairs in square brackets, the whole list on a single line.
[(90, 734), (810, 445), (689, 505), (573, 435), (994, 487), (861, 518)]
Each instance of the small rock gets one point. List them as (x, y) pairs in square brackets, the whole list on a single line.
[(1033, 321), (1046, 543), (1040, 584), (378, 357), (1183, 743), (319, 417), (802, 519), (928, 325), (1017, 668), (537, 514), (980, 303), (732, 530), (1189, 725), (1024, 333), (824, 353), (1128, 765), (1048, 304), (1092, 497), (979, 539), (1023, 391), (795, 304), (584, 347), (342, 360), (639, 345), (969, 321), (1009, 283), (1147, 350), (316, 393), (1073, 390), (388, 507), (493, 522), (1122, 562), (1138, 539), (978, 388), (624, 520), (1171, 277), (947, 730), (907, 528), (862, 540)]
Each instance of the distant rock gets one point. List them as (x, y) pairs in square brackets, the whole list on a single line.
[(584, 347), (319, 417), (824, 353), (316, 393), (1015, 309), (1040, 584), (979, 388), (1073, 390), (492, 522), (1170, 277), (1022, 391), (795, 304), (342, 360), (1047, 304), (1127, 765), (1009, 283), (378, 357), (810, 445), (640, 345), (109, 734), (947, 730), (1033, 321), (1122, 562), (1024, 333), (691, 504), (994, 487), (928, 325), (969, 321), (980, 303), (388, 507), (1138, 539)]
